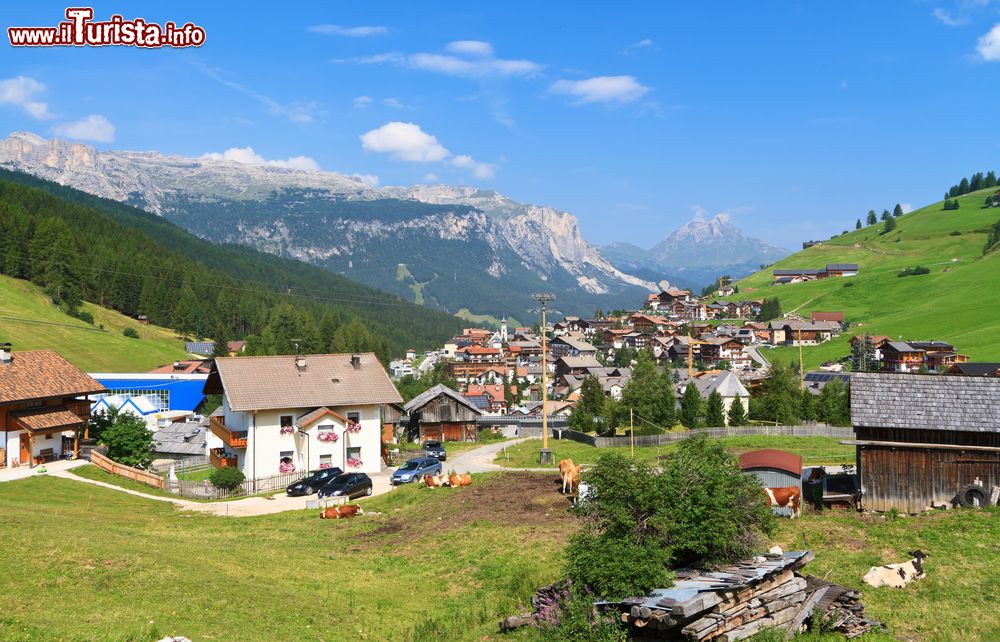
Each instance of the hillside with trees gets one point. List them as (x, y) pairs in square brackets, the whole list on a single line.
[(78, 248)]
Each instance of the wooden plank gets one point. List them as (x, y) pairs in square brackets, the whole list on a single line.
[(909, 444), (804, 611)]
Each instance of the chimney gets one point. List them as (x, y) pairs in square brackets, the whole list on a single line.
[(356, 361), (5, 353), (300, 362)]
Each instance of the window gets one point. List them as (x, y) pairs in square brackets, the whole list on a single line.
[(325, 461), (354, 451), (353, 417), (157, 396), (286, 420), (444, 410), (286, 456)]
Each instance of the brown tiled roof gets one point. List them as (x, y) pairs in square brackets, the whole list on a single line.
[(41, 374), (196, 366), (310, 418), (46, 419), (261, 383)]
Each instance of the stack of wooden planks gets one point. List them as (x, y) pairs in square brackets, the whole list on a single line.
[(738, 601)]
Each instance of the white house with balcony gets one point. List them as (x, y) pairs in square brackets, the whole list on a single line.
[(283, 414)]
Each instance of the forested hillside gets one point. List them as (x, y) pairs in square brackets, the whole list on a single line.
[(931, 274), (80, 247)]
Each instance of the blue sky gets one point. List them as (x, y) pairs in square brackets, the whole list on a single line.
[(794, 118)]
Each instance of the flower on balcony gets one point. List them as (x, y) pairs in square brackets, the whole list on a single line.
[(328, 435), (287, 430), (286, 467), (354, 427), (326, 465), (354, 462)]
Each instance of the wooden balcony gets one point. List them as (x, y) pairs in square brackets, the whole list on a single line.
[(233, 439), (219, 459)]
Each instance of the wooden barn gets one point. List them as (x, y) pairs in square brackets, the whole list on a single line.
[(923, 438), (774, 469), (441, 413)]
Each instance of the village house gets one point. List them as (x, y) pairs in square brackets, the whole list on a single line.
[(726, 383), (836, 317), (494, 393), (570, 345), (899, 356), (718, 349), (43, 406), (794, 275), (973, 369), (288, 413), (575, 365), (793, 333)]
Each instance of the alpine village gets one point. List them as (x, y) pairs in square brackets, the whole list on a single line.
[(245, 398)]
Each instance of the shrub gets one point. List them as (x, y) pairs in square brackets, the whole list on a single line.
[(82, 315), (914, 271), (849, 284), (955, 233), (640, 524), (130, 332), (128, 439), (227, 478)]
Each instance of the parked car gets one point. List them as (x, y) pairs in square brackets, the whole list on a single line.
[(349, 485), (312, 482), (435, 449), (415, 469)]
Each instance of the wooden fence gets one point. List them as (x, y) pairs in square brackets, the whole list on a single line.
[(811, 430), (205, 489), (128, 472)]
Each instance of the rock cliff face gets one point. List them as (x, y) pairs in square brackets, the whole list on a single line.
[(481, 239)]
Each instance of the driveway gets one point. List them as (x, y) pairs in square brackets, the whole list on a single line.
[(755, 354), (22, 472), (249, 507), (480, 460)]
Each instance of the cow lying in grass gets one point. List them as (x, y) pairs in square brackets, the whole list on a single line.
[(341, 512), (897, 575), (785, 497), (435, 481), (457, 481), (570, 475), (453, 480)]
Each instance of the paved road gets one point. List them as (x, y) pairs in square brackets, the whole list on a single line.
[(22, 472), (480, 460), (755, 354)]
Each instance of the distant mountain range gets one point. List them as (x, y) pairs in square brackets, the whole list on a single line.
[(459, 249), (698, 253)]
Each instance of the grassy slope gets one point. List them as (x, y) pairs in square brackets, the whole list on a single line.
[(956, 302), (100, 564), (814, 450), (82, 344)]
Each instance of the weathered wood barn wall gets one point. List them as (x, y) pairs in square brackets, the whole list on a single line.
[(921, 438), (442, 413)]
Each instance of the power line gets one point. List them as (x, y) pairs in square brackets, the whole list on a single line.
[(61, 325)]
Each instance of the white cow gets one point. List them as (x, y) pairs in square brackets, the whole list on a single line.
[(897, 575)]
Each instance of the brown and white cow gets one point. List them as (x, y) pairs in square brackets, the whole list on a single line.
[(785, 497), (897, 575), (341, 512)]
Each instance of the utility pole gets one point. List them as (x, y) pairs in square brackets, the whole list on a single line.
[(802, 377), (545, 455), (631, 430)]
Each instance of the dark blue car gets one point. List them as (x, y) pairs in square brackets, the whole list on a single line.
[(415, 469), (435, 449)]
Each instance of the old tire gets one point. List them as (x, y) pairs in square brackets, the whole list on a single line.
[(973, 495)]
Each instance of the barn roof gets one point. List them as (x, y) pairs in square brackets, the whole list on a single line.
[(779, 459), (931, 402), (426, 396)]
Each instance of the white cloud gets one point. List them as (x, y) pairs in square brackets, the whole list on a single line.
[(430, 177), (470, 48), (479, 170), (408, 142), (635, 47), (989, 44), (395, 103), (93, 127), (948, 19), (248, 156), (368, 179), (472, 59), (298, 112), (22, 92), (350, 32), (601, 89), (404, 141), (906, 207), (361, 102)]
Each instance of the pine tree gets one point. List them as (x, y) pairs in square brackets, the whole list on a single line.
[(779, 400), (770, 309), (834, 404), (872, 218), (963, 187), (890, 225), (737, 414), (808, 410), (715, 411), (898, 210), (857, 225), (691, 405), (991, 179)]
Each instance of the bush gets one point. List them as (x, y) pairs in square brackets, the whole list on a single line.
[(849, 284), (82, 315), (130, 332), (227, 478), (955, 233), (914, 271), (128, 439), (701, 509)]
